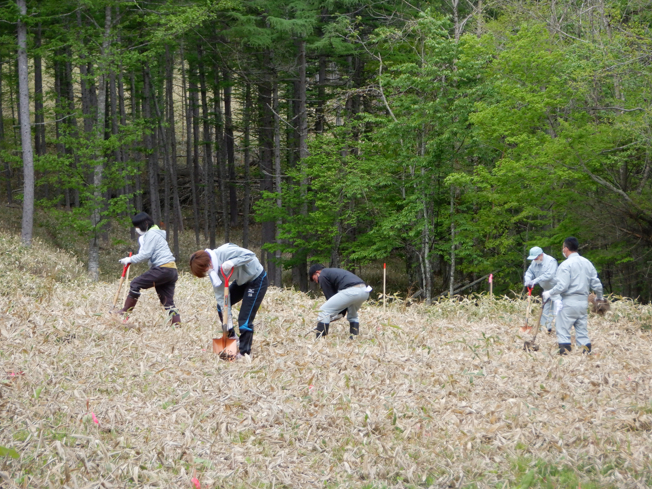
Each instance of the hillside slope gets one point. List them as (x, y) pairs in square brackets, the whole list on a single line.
[(440, 396)]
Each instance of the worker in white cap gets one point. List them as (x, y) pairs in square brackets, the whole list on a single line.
[(542, 272)]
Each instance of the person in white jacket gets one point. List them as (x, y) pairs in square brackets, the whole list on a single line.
[(247, 284), (575, 277), (542, 272)]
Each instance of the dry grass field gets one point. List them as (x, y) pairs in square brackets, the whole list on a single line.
[(438, 396)]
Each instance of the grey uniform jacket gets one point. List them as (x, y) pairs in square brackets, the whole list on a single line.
[(575, 278), (542, 273), (246, 267), (153, 247)]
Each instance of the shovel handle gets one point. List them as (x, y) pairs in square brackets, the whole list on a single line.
[(227, 306), (124, 269), (122, 279)]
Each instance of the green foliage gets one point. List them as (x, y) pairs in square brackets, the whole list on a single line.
[(8, 452)]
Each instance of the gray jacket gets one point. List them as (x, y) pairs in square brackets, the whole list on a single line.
[(153, 247), (246, 267), (575, 278), (543, 273)]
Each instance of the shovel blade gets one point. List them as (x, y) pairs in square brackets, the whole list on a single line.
[(225, 347)]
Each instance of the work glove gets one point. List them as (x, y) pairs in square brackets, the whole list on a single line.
[(126, 260), (227, 266), (558, 305), (545, 295), (530, 283), (219, 313)]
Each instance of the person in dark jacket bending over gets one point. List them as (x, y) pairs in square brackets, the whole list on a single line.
[(344, 291)]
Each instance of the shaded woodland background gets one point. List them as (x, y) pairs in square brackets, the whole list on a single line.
[(448, 136)]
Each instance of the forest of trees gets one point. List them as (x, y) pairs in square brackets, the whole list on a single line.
[(452, 135)]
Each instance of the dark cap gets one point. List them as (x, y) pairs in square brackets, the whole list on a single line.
[(314, 269), (140, 218)]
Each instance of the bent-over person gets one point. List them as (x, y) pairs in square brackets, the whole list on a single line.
[(345, 292)]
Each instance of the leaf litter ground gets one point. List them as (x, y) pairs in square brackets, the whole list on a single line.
[(438, 396)]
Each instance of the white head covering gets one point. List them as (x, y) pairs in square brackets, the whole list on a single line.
[(213, 274)]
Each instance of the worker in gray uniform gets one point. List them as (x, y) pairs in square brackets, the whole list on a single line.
[(542, 272), (576, 277)]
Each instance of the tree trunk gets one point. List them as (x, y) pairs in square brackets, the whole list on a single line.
[(266, 145), (69, 94), (135, 115), (124, 153), (39, 117), (247, 162), (150, 150), (25, 130), (194, 97), (303, 151), (220, 152), (177, 221), (2, 141), (451, 284), (277, 279), (209, 172), (190, 161), (320, 120), (98, 204), (230, 150)]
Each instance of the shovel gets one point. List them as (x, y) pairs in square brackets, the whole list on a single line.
[(225, 347), (122, 279), (531, 345), (527, 328)]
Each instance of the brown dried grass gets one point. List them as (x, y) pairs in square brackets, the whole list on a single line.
[(427, 396)]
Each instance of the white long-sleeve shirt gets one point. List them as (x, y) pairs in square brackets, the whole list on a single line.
[(577, 276), (542, 273), (246, 267)]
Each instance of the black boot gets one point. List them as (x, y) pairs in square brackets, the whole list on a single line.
[(586, 349), (564, 348), (354, 329), (321, 329), (174, 316)]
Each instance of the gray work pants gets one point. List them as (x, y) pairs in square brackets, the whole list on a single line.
[(350, 299), (573, 313)]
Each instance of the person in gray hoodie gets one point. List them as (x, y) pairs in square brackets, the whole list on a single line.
[(247, 284), (162, 274), (542, 272)]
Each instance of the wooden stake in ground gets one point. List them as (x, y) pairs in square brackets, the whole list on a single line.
[(384, 283)]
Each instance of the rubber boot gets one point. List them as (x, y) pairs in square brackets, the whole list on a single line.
[(130, 303), (354, 329), (321, 330), (564, 348), (175, 317), (586, 349)]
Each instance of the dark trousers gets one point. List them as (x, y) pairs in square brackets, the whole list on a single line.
[(163, 279), (251, 294)]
